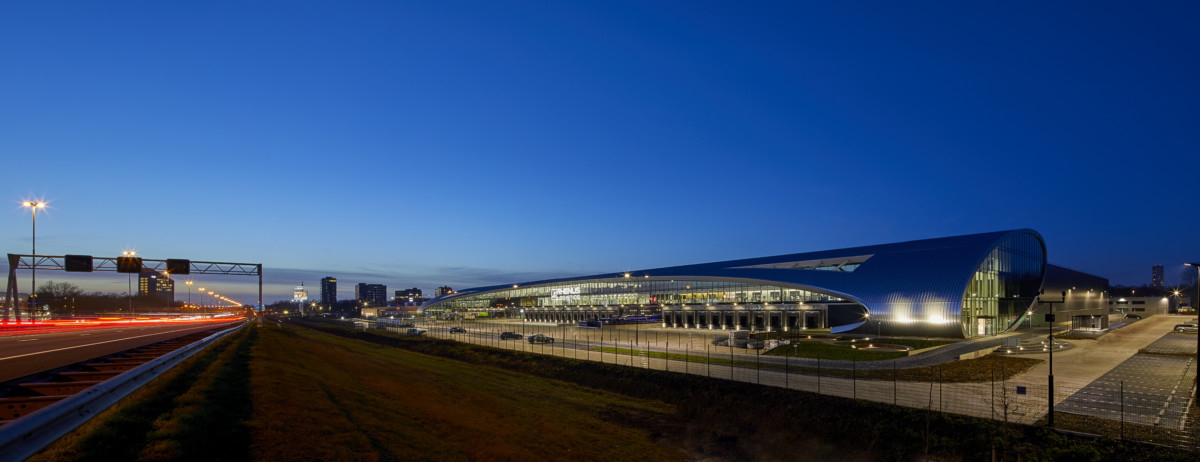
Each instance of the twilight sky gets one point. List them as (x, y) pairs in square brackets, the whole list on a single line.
[(423, 143)]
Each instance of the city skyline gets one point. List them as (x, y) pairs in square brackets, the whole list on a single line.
[(553, 140)]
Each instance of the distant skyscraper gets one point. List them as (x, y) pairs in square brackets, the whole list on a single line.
[(1156, 276), (443, 290), (373, 294), (409, 297), (156, 284), (328, 292)]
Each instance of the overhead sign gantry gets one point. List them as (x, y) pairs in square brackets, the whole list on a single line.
[(123, 264)]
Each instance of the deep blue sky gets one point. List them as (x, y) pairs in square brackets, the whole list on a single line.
[(472, 143)]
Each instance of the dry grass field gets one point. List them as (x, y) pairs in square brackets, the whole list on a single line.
[(320, 397)]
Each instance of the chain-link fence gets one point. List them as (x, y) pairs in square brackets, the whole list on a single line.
[(1147, 398)]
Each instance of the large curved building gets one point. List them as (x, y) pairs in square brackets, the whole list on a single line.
[(961, 286)]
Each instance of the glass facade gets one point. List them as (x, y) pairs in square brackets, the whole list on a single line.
[(627, 291), (1003, 286)]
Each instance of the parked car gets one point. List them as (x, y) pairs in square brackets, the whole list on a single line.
[(457, 330), (1187, 327), (510, 335), (416, 331), (541, 338), (1133, 316), (406, 324)]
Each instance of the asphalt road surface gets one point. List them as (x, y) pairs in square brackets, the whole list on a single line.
[(22, 355)]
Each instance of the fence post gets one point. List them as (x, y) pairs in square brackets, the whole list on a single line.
[(894, 382), (757, 369), (1004, 391), (787, 373), (939, 388), (818, 372), (854, 379), (708, 358), (993, 372)]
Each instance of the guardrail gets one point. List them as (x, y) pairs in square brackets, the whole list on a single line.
[(26, 436)]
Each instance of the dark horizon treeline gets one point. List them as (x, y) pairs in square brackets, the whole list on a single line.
[(342, 308)]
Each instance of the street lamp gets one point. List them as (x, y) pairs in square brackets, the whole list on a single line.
[(1050, 342), (189, 284), (522, 321), (129, 279), (210, 293), (33, 206), (1197, 265)]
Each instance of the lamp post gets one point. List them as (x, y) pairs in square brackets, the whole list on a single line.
[(522, 321), (1197, 265), (1050, 342), (189, 284), (171, 300), (210, 299), (33, 206), (129, 279)]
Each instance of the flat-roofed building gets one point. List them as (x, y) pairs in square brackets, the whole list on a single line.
[(372, 294)]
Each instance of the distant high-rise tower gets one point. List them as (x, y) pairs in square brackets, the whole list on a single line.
[(1156, 276), (328, 292), (443, 290), (373, 294), (408, 297)]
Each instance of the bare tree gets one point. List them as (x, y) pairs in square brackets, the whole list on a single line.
[(57, 290)]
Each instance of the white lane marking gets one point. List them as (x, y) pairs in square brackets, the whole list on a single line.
[(27, 340), (90, 344)]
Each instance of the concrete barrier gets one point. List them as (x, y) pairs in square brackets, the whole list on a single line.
[(978, 353)]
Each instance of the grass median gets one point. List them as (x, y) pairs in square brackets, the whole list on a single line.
[(197, 410)]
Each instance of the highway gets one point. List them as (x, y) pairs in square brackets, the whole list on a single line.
[(22, 355)]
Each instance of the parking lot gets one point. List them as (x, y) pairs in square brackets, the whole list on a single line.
[(1174, 343), (1156, 389)]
